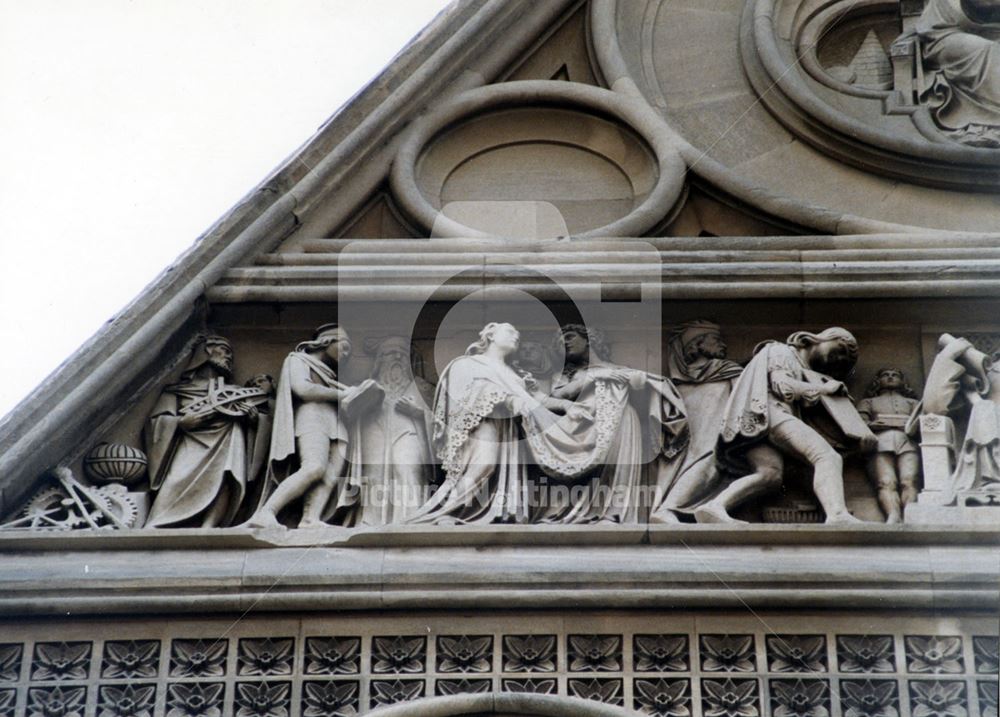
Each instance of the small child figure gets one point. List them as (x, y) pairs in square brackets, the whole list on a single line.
[(895, 467)]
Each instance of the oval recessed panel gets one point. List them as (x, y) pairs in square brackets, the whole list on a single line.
[(592, 170)]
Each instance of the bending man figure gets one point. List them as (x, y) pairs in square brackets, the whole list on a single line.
[(764, 421)]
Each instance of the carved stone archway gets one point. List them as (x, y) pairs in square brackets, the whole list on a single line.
[(489, 704)]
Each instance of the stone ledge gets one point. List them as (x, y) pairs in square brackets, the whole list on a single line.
[(401, 536), (719, 573)]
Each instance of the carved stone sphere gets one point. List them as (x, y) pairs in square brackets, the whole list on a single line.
[(114, 463)]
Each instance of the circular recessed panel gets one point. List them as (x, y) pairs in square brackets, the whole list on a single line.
[(537, 159), (594, 171)]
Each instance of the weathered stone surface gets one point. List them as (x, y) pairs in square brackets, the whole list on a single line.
[(636, 179)]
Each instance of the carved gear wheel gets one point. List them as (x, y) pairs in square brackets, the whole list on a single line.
[(52, 509), (116, 500)]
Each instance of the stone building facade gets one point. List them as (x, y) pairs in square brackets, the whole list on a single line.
[(601, 357)]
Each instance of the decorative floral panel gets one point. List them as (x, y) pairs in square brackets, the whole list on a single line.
[(317, 668)]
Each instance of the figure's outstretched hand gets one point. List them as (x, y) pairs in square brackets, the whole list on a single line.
[(408, 406), (832, 388), (578, 413), (636, 379)]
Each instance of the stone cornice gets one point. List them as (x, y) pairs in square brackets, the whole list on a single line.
[(784, 567)]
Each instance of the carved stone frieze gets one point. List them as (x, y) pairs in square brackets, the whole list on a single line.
[(592, 442)]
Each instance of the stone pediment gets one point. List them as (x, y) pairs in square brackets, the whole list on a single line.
[(533, 377)]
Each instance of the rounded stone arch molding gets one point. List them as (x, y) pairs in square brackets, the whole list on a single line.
[(507, 704), (539, 159), (698, 63), (790, 52)]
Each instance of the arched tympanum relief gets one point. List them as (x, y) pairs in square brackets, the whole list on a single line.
[(807, 109), (496, 704), (869, 83)]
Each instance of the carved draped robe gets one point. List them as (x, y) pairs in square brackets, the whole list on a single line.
[(189, 468), (395, 456), (705, 389), (635, 441), (475, 436), (763, 398), (950, 385), (963, 57), (293, 417)]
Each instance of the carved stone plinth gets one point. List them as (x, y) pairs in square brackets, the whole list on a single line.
[(921, 513), (937, 449)]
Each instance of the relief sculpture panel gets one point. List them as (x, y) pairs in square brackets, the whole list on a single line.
[(547, 432)]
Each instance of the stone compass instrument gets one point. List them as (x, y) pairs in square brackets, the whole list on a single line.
[(226, 399)]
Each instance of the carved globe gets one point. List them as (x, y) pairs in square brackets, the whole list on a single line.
[(114, 463)]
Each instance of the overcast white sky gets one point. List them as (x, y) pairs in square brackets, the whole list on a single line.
[(128, 127)]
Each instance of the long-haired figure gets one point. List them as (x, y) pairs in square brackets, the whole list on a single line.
[(308, 429), (479, 406)]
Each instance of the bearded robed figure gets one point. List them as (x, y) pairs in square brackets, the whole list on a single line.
[(201, 439)]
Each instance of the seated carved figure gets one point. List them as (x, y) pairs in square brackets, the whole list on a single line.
[(788, 402), (960, 48)]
